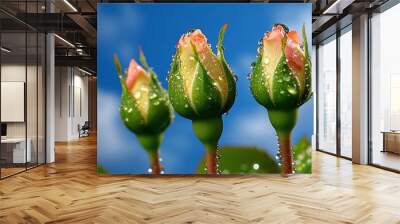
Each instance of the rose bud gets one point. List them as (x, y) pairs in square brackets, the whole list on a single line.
[(202, 88), (145, 108), (281, 82)]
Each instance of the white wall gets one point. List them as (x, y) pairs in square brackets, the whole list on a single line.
[(71, 102)]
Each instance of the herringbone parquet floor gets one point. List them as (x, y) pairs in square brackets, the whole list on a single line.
[(70, 191)]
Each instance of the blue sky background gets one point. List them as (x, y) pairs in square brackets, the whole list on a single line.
[(156, 28)]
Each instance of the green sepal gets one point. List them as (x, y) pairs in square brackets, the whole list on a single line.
[(160, 112), (258, 84), (206, 97), (229, 75), (285, 86), (130, 113), (118, 67), (307, 70), (220, 47), (176, 92)]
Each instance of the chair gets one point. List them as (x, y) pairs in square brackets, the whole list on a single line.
[(84, 130)]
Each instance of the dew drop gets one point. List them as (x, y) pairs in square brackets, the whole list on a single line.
[(292, 91), (153, 95), (137, 95), (286, 78), (256, 166)]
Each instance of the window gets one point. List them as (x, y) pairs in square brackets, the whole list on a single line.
[(327, 95), (385, 89), (346, 92)]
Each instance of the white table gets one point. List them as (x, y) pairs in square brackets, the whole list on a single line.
[(19, 153)]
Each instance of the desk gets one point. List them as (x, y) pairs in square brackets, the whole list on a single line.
[(19, 155), (391, 141)]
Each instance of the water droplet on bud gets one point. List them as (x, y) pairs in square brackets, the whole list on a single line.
[(153, 95), (137, 95), (292, 91)]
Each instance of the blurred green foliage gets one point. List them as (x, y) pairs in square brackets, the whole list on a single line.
[(302, 156), (101, 170), (238, 160), (247, 159)]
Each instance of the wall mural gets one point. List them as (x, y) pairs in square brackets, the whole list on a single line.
[(204, 89)]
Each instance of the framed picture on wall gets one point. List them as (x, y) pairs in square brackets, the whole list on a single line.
[(204, 88)]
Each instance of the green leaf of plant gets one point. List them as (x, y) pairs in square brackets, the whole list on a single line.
[(243, 159)]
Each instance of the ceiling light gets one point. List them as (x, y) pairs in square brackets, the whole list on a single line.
[(84, 71), (64, 40), (70, 5), (5, 50), (338, 6)]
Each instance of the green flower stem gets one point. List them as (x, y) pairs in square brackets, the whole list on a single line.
[(211, 159), (286, 154), (208, 131), (155, 162), (284, 121), (151, 144)]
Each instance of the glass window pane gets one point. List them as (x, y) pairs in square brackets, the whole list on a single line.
[(13, 86), (41, 99), (385, 84), (327, 96), (31, 97), (346, 94)]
